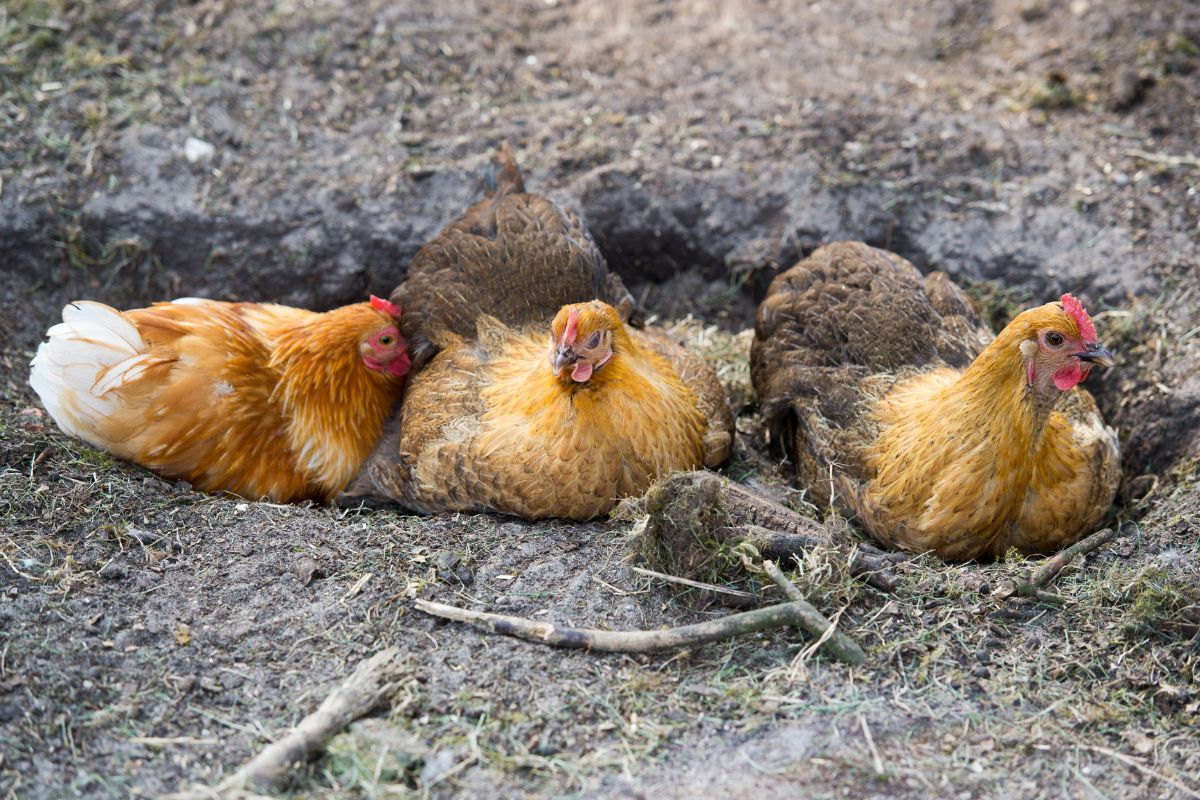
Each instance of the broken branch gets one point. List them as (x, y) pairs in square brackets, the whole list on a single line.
[(357, 696), (840, 646), (870, 563), (760, 619), (1047, 572), (689, 515)]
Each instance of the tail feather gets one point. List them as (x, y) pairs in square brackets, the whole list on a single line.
[(94, 350), (503, 176), (102, 323)]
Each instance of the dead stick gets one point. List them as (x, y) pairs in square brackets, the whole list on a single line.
[(708, 587), (840, 646), (357, 696), (760, 619), (1048, 571)]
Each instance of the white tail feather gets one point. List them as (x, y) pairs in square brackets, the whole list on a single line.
[(94, 350)]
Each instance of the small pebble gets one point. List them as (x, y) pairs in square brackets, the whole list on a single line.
[(981, 672), (198, 150), (451, 569), (112, 571), (143, 536), (437, 766), (232, 680), (304, 569), (983, 656)]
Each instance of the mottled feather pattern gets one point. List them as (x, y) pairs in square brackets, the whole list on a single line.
[(486, 425), (515, 256), (895, 403)]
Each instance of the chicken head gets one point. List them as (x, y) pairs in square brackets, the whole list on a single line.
[(581, 338), (1058, 345)]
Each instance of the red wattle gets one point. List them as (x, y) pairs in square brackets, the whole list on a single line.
[(1067, 377)]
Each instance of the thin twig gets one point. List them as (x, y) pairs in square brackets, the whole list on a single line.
[(1165, 159), (164, 741), (711, 587), (760, 619), (873, 565), (1133, 762), (875, 759), (1048, 571), (840, 646), (358, 695)]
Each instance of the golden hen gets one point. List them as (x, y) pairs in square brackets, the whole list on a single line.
[(256, 399), (896, 404), (494, 422), (506, 423)]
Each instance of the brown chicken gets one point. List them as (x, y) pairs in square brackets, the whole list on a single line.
[(514, 256), (897, 405), (255, 399), (543, 401)]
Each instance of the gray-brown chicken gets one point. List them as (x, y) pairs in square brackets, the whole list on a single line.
[(514, 256), (894, 402), (542, 400)]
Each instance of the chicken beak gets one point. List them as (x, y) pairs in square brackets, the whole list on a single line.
[(1095, 353), (561, 359)]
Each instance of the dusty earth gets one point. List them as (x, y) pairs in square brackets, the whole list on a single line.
[(151, 638)]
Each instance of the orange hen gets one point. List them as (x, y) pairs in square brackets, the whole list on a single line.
[(255, 399), (893, 401)]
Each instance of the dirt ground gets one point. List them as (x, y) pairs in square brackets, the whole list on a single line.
[(152, 638)]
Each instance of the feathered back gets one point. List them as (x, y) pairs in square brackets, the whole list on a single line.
[(514, 256), (256, 399), (893, 400), (850, 310)]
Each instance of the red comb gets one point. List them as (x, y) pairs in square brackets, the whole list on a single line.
[(386, 306), (572, 330), (1087, 331)]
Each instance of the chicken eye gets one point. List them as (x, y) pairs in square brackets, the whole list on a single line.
[(386, 340), (593, 340), (1054, 339)]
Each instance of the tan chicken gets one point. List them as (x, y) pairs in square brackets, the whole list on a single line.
[(543, 401), (256, 399), (896, 404)]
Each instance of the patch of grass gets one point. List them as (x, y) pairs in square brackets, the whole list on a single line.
[(1164, 599), (727, 353)]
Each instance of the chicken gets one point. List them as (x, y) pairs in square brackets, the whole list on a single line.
[(896, 404), (492, 425), (255, 399), (513, 255), (516, 422)]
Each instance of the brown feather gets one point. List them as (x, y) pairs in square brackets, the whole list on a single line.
[(864, 371)]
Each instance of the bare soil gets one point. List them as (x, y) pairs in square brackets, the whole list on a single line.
[(152, 638)]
